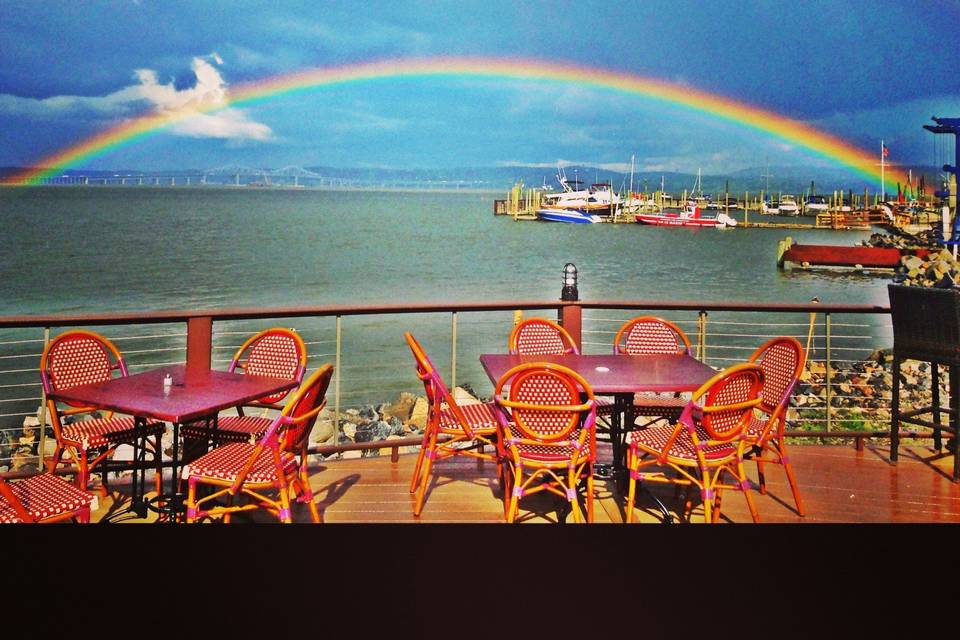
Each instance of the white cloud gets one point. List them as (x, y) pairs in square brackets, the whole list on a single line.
[(149, 95)]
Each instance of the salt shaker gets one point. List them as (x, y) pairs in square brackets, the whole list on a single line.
[(167, 383)]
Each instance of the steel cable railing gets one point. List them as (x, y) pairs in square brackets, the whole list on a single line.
[(373, 364)]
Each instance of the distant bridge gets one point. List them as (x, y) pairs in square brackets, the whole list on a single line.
[(229, 174)]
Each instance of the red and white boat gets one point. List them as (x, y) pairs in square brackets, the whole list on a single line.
[(690, 216)]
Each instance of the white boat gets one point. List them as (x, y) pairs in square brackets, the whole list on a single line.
[(788, 206), (814, 204), (567, 215), (599, 198), (770, 207)]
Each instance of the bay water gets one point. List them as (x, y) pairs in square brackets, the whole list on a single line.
[(109, 249)]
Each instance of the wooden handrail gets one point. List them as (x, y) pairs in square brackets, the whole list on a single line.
[(253, 313)]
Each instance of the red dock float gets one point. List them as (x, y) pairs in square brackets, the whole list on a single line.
[(819, 255)]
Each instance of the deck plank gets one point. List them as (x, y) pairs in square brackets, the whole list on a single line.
[(838, 485)]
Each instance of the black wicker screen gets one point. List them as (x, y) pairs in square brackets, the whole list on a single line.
[(926, 323)]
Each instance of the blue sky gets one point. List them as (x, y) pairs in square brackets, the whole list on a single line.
[(860, 70)]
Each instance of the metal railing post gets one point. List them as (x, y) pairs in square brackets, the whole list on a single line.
[(702, 336), (453, 350), (827, 377), (336, 384)]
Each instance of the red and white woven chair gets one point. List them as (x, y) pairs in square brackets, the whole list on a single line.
[(542, 337), (276, 463), (276, 352), (539, 337), (547, 435), (83, 357), (452, 429), (706, 442), (782, 360), (651, 335), (43, 498)]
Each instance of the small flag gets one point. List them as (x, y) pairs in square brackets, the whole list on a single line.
[(886, 151)]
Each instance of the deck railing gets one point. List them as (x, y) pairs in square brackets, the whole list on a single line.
[(373, 365)]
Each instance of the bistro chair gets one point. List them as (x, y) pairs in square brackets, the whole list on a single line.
[(277, 462), (83, 357), (43, 498), (547, 438), (539, 336), (276, 352), (450, 426), (647, 335), (704, 443), (782, 360)]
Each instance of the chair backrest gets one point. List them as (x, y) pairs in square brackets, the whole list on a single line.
[(540, 337), (650, 335), (782, 360), (276, 352), (79, 357), (545, 401), (300, 413), (435, 388), (724, 404)]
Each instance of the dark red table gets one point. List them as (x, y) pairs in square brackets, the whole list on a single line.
[(620, 376), (195, 394)]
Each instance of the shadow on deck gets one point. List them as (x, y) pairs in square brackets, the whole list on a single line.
[(838, 485)]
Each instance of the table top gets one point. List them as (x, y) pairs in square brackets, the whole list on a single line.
[(194, 393), (611, 374)]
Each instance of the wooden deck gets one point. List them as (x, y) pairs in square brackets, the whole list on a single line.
[(838, 483)]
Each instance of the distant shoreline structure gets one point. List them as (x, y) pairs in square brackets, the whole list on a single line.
[(789, 180)]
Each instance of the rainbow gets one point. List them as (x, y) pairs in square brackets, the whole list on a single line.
[(814, 141)]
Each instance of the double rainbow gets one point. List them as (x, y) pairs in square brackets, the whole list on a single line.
[(814, 141)]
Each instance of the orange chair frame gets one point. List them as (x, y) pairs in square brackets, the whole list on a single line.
[(77, 450), (515, 432), (197, 436), (652, 406), (289, 432), (771, 438), (432, 448), (239, 362), (704, 473), (514, 341), (629, 325), (80, 515)]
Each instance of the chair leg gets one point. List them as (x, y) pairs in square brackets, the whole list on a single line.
[(590, 495), (83, 516), (415, 480), (761, 479), (305, 494), (631, 484), (792, 479), (55, 460), (83, 478), (514, 498), (747, 491), (158, 458), (508, 477), (572, 497), (284, 514), (191, 501), (707, 502), (424, 481)]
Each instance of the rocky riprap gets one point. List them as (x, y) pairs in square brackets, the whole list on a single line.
[(938, 269)]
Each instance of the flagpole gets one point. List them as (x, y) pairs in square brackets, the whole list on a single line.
[(883, 184)]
